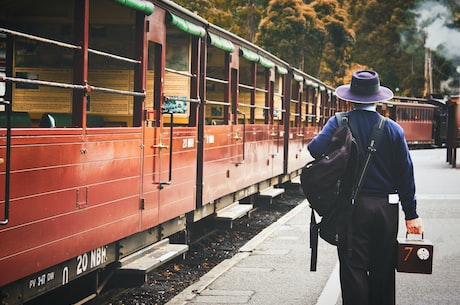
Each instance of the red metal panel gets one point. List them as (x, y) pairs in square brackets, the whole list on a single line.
[(35, 259), (66, 225), (417, 131), (74, 194), (298, 151), (224, 169)]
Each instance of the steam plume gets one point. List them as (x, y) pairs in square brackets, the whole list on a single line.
[(435, 20)]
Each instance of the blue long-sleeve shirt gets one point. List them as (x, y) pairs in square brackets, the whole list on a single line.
[(391, 169)]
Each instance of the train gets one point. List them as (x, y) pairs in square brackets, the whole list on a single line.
[(424, 120), (126, 122)]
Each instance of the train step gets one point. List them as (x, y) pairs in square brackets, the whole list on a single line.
[(137, 265), (295, 180), (233, 211), (270, 193)]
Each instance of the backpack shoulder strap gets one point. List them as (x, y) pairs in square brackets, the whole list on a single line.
[(376, 134)]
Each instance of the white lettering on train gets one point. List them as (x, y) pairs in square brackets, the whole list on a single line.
[(65, 275), (82, 263), (188, 143), (41, 279), (50, 276), (98, 256), (95, 258), (209, 139)]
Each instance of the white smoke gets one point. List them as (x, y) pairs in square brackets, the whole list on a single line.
[(435, 21)]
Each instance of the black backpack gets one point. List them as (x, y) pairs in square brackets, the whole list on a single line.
[(332, 182), (329, 177)]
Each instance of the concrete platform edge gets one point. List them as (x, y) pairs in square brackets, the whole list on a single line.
[(207, 279)]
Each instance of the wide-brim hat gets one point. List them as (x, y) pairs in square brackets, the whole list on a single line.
[(364, 88)]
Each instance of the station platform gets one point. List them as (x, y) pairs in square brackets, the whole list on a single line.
[(274, 267)]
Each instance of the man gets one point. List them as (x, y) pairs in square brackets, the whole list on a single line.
[(368, 275)]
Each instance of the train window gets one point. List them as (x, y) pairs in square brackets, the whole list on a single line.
[(261, 109), (108, 72), (45, 68), (334, 105), (150, 104), (217, 86), (310, 100), (178, 78), (278, 93), (414, 113), (296, 97), (246, 87), (42, 61), (327, 110), (399, 114), (36, 59), (322, 102), (428, 114), (2, 68), (253, 92), (304, 106)]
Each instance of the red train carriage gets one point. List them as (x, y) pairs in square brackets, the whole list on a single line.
[(125, 121), (415, 116), (82, 194)]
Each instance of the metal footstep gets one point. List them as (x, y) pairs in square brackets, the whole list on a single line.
[(270, 193), (136, 266), (233, 211), (295, 180)]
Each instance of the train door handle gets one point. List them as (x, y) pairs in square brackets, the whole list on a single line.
[(237, 137), (162, 146)]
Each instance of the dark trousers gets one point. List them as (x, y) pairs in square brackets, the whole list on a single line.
[(367, 277)]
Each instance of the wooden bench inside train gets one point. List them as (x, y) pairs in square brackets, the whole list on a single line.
[(18, 119), (50, 120)]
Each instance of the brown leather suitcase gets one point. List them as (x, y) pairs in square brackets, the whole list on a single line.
[(415, 255)]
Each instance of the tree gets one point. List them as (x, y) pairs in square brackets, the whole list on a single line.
[(378, 26), (336, 40), (240, 17), (328, 38), (282, 31)]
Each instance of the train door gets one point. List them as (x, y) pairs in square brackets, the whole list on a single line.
[(296, 132), (277, 129), (223, 143), (152, 144), (255, 79), (169, 185), (309, 111), (4, 213)]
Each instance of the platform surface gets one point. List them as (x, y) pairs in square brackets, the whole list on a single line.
[(274, 267)]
